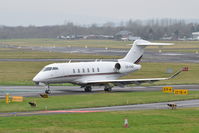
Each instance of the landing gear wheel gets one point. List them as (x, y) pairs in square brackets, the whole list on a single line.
[(47, 91), (88, 89), (107, 89)]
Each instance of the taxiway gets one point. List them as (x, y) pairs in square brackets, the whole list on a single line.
[(149, 55), (29, 91), (162, 105)]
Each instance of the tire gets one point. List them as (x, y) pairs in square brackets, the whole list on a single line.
[(88, 89), (47, 91), (108, 89)]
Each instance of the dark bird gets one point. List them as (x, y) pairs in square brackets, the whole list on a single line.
[(172, 105), (32, 104), (44, 95)]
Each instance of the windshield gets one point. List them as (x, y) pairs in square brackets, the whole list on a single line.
[(55, 68), (47, 69), (50, 69)]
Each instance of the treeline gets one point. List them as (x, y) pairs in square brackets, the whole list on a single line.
[(150, 29)]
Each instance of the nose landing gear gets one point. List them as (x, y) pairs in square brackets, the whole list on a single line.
[(48, 91)]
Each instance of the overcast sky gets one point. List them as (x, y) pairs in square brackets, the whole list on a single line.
[(52, 12)]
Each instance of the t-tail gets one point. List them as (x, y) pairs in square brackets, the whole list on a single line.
[(137, 50)]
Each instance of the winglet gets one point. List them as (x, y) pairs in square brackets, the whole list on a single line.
[(178, 72), (185, 69)]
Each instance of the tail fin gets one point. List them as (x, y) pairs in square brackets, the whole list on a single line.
[(136, 52)]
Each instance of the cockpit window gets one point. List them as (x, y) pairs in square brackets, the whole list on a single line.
[(55, 68), (47, 69)]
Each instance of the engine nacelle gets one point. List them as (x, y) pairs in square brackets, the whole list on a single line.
[(117, 66), (125, 67)]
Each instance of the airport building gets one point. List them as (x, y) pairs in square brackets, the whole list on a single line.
[(195, 35)]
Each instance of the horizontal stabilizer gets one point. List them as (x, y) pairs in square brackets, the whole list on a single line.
[(147, 43), (136, 52), (154, 44)]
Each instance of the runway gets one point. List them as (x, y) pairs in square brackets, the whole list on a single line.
[(149, 55), (31, 91)]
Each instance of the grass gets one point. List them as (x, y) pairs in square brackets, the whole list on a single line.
[(28, 54), (180, 46), (183, 44), (65, 43), (21, 73), (13, 53), (90, 43), (180, 50), (144, 121), (150, 121), (156, 70), (94, 100)]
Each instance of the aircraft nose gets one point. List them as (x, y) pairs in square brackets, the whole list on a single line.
[(34, 79), (37, 78)]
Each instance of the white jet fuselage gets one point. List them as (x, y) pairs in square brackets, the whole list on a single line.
[(83, 72), (101, 73)]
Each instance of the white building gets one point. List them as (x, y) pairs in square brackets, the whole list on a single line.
[(195, 35)]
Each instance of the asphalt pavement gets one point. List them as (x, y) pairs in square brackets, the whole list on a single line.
[(31, 91), (149, 55)]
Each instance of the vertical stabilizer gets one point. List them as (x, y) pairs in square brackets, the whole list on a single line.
[(137, 50)]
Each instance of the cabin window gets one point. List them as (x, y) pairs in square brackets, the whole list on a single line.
[(78, 70), (73, 70), (47, 69), (83, 70), (88, 70), (98, 69), (55, 68), (93, 69)]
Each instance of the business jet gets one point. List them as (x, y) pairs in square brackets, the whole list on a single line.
[(99, 73)]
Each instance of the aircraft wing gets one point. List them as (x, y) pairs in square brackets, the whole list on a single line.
[(122, 82)]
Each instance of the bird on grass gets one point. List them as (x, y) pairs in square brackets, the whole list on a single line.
[(32, 104)]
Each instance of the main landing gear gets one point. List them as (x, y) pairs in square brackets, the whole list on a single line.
[(88, 89), (47, 91), (108, 87)]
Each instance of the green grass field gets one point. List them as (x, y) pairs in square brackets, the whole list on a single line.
[(145, 121), (9, 75), (65, 43), (89, 43), (94, 100), (28, 54), (156, 70), (183, 44)]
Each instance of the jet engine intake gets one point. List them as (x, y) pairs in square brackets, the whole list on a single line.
[(117, 67)]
